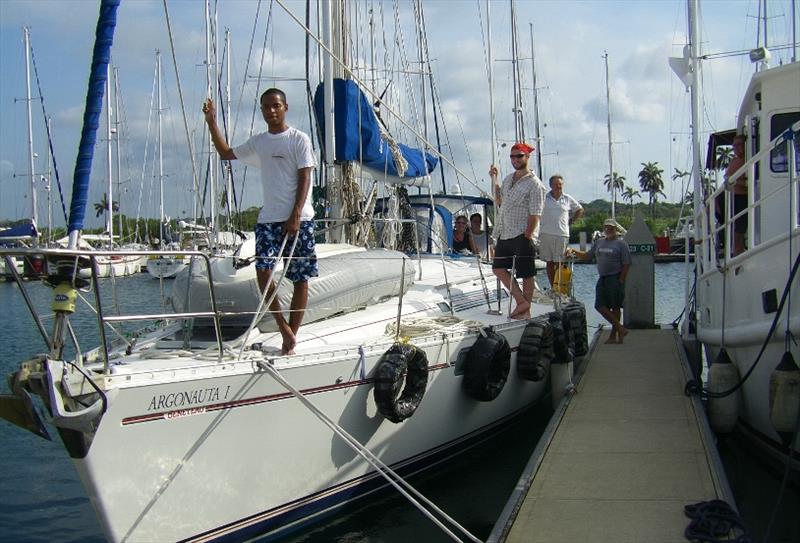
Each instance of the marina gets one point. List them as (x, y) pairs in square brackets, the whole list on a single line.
[(346, 359)]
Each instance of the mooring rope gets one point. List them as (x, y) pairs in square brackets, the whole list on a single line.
[(408, 491)]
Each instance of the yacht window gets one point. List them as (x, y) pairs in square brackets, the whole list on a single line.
[(778, 124)]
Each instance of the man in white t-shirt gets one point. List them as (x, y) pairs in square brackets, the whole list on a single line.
[(560, 210), (285, 159)]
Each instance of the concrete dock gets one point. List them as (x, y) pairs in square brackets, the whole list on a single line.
[(623, 456)]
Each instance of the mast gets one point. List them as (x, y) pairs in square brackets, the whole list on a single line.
[(117, 134), (160, 154), (519, 128), (490, 69), (48, 188), (110, 199), (211, 91), (330, 139), (697, 149), (610, 143), (228, 169), (538, 138), (31, 169)]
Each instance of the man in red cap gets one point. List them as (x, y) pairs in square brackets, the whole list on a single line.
[(520, 200)]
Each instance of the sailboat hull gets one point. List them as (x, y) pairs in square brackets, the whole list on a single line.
[(231, 452), (165, 267)]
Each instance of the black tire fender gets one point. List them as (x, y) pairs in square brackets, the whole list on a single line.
[(535, 350), (486, 367), (575, 313), (401, 378), (562, 354)]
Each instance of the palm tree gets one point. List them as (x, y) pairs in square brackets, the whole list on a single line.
[(724, 156), (628, 195), (619, 182), (102, 206), (650, 181)]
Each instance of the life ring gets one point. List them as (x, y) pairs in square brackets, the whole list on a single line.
[(562, 351), (401, 378), (535, 350), (486, 367), (575, 314)]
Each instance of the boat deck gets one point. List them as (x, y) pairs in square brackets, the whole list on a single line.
[(623, 456)]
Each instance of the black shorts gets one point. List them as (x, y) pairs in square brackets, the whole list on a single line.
[(609, 292), (506, 249), (740, 204)]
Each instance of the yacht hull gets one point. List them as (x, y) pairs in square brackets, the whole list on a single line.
[(231, 453)]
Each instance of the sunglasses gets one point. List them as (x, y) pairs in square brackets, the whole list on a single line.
[(517, 156)]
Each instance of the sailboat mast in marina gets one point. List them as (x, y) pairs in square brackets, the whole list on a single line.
[(536, 120), (611, 179)]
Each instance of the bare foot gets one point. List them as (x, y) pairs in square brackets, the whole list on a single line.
[(289, 341), (612, 338), (521, 316), (521, 309), (622, 333)]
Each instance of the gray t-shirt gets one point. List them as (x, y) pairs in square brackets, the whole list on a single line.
[(611, 256)]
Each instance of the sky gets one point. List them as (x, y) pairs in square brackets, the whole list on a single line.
[(649, 105)]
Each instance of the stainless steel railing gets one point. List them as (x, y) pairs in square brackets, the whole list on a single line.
[(91, 255)]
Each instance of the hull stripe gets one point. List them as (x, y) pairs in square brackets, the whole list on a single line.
[(202, 409)]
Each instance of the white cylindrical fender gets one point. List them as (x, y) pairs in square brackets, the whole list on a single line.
[(784, 397), (722, 376)]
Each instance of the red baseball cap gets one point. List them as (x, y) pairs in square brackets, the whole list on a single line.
[(523, 147)]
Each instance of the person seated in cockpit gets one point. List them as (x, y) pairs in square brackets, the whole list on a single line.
[(462, 240)]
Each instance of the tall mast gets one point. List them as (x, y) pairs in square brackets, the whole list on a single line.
[(31, 169), (330, 141), (160, 154), (538, 138), (697, 149), (610, 143), (117, 137), (110, 199), (228, 170), (490, 69), (697, 146), (48, 188), (519, 128), (211, 90)]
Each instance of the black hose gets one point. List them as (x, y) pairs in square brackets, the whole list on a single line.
[(787, 289)]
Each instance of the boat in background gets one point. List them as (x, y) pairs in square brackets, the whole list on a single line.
[(28, 267), (742, 317)]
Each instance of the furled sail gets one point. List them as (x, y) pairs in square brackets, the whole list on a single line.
[(101, 56), (359, 136)]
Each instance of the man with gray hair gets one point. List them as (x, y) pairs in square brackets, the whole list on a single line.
[(560, 210), (613, 262)]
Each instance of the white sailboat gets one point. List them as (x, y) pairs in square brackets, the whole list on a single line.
[(743, 318), (117, 262), (201, 430), (163, 266)]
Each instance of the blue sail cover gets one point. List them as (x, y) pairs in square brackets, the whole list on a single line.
[(104, 37), (26, 230), (354, 116)]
